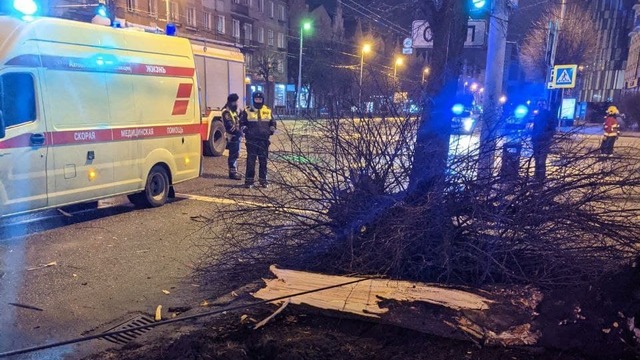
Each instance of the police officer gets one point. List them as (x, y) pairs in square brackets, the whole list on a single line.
[(231, 121), (259, 126)]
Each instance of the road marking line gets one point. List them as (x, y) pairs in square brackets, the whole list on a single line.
[(225, 201)]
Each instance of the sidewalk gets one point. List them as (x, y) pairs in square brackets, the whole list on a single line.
[(595, 129)]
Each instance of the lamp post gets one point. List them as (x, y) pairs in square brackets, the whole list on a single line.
[(366, 48), (425, 72), (306, 25), (398, 62)]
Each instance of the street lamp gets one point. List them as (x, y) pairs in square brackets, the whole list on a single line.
[(366, 48), (398, 62), (306, 25), (425, 72)]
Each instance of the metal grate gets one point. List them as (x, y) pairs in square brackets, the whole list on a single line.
[(123, 338)]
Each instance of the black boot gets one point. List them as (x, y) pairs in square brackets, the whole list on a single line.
[(235, 176)]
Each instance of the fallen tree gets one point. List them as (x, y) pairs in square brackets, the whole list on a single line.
[(500, 316)]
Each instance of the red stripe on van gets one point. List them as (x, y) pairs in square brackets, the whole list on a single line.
[(103, 64), (184, 91), (61, 138), (19, 141), (180, 107)]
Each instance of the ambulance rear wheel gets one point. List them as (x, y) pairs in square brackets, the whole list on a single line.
[(156, 191), (217, 142)]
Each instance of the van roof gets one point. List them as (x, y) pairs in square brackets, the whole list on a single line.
[(73, 32)]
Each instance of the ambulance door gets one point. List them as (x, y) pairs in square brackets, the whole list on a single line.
[(23, 149), (127, 163), (81, 135)]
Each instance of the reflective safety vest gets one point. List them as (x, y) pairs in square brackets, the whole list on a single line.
[(264, 114), (259, 123)]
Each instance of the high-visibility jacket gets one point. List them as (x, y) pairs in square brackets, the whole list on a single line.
[(611, 126), (231, 121), (258, 123)]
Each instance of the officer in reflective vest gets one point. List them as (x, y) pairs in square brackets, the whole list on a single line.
[(234, 134), (259, 126)]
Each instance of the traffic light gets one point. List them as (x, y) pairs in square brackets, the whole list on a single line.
[(479, 9)]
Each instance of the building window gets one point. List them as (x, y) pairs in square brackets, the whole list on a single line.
[(282, 13), (250, 3), (248, 32), (175, 11), (206, 20), (191, 17), (261, 5), (281, 40), (270, 37), (220, 26), (280, 66), (236, 28), (272, 9), (131, 5), (261, 35), (248, 60), (236, 1), (17, 99), (153, 7)]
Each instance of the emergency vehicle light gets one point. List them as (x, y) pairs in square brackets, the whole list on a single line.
[(457, 109), (102, 10), (521, 111), (26, 7)]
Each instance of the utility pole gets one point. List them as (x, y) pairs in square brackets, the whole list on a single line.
[(494, 73)]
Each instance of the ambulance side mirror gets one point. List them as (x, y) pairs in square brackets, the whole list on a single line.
[(3, 127)]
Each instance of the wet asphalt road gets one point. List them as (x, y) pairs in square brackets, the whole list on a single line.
[(105, 265)]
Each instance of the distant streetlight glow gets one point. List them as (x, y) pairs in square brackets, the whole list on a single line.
[(399, 61), (366, 48), (503, 99), (425, 72), (473, 87), (306, 26)]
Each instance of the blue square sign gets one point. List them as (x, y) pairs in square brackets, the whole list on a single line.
[(564, 76)]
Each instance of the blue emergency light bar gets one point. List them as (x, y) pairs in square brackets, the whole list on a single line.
[(25, 7)]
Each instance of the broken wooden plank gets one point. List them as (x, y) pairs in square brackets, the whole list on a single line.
[(497, 316)]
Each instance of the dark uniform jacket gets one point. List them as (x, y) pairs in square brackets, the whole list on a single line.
[(258, 123), (231, 121)]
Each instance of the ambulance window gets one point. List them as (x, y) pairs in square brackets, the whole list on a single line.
[(18, 98)]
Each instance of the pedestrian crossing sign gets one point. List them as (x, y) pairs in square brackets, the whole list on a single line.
[(564, 76)]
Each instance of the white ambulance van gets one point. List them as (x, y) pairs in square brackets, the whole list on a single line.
[(89, 112)]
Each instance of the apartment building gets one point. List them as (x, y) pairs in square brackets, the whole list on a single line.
[(258, 27)]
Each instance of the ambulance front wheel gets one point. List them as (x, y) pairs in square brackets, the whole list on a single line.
[(156, 191), (217, 142)]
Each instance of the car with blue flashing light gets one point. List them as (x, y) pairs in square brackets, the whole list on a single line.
[(464, 119)]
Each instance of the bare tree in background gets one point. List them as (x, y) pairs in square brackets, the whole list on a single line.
[(267, 65), (577, 40)]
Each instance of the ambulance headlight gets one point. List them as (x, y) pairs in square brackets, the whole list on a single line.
[(26, 7)]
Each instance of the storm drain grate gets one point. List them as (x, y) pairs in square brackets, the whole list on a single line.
[(123, 338)]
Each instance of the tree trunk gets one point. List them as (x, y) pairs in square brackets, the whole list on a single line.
[(449, 29), (502, 316)]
